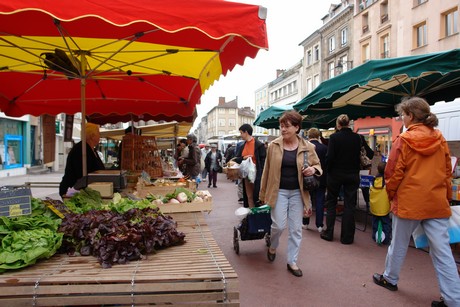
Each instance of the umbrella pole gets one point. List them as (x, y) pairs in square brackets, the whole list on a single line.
[(83, 114)]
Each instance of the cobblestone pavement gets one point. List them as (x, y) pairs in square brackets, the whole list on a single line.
[(333, 274)]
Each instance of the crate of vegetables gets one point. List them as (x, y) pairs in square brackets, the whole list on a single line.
[(183, 200)]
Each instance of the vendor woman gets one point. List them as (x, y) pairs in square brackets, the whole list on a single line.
[(73, 169)]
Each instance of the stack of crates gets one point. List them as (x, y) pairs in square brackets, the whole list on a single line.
[(140, 153)]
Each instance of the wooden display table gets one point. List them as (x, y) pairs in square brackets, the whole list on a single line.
[(196, 273)]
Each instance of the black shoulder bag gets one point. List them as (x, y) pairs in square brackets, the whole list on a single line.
[(310, 183)]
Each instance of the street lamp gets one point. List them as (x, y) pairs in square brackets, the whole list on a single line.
[(340, 64)]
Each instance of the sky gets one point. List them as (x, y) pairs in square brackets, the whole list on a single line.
[(289, 22)]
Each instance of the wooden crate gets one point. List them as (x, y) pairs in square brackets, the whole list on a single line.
[(186, 207), (143, 190), (195, 273), (140, 153)]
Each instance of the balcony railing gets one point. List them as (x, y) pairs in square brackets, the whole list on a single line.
[(384, 18), (365, 29)]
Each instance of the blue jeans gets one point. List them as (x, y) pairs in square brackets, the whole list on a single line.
[(288, 211), (440, 252)]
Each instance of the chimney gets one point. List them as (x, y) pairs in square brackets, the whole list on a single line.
[(221, 101), (279, 72)]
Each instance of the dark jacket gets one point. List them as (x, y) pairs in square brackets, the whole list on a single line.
[(260, 154), (193, 161), (208, 161), (343, 153), (73, 169), (230, 153), (321, 152)]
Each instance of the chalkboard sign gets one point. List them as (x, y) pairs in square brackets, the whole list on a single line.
[(15, 201)]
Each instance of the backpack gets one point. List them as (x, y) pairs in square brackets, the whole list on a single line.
[(379, 202)]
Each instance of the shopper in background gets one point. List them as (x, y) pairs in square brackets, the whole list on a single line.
[(74, 169), (282, 186), (370, 155), (181, 152), (255, 150), (204, 152), (418, 181), (318, 196), (343, 165), (212, 164), (192, 162)]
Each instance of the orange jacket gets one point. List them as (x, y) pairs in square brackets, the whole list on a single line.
[(418, 174)]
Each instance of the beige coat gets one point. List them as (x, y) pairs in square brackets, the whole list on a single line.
[(272, 171)]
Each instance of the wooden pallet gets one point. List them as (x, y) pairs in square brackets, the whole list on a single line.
[(195, 273)]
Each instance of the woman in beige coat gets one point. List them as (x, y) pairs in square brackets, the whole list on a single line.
[(282, 188)]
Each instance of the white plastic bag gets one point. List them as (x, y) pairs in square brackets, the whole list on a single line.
[(248, 170), (251, 171), (421, 240)]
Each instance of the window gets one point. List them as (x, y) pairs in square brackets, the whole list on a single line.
[(343, 36), (420, 35), (221, 122), (385, 46), (231, 122), (221, 111), (309, 85), (316, 81), (232, 111), (331, 69), (331, 44), (365, 22), (384, 11), (316, 54), (309, 57), (450, 22), (346, 65), (365, 52), (418, 2)]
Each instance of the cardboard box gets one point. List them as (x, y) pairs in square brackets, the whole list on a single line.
[(105, 188)]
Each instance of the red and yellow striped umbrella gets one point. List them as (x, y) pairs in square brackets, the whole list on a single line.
[(121, 57)]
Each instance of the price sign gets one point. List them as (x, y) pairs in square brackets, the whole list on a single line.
[(15, 201)]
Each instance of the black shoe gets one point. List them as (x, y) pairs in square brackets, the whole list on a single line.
[(271, 257), (381, 281), (209, 185), (214, 186), (438, 303), (296, 273), (241, 199), (346, 242), (325, 236)]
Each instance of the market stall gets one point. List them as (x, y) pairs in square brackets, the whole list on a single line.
[(196, 272)]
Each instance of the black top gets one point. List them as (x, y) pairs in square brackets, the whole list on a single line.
[(321, 151), (344, 151), (73, 169), (289, 172)]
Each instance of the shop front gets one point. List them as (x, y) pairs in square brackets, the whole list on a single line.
[(379, 132)]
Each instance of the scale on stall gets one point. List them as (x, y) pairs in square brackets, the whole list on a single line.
[(116, 177)]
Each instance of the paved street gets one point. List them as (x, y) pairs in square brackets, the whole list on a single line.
[(334, 274)]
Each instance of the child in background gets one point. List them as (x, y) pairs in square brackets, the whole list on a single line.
[(380, 208)]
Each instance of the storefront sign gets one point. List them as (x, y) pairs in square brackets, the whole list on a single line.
[(15, 201)]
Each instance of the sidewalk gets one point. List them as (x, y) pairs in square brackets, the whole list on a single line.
[(334, 274)]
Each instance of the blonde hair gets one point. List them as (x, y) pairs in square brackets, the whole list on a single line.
[(343, 120), (420, 109), (92, 130)]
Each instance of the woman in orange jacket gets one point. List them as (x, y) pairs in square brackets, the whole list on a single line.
[(418, 182)]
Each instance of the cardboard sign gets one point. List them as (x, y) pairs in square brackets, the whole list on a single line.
[(15, 201)]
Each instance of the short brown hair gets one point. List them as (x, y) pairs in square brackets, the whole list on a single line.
[(293, 117), (313, 133)]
